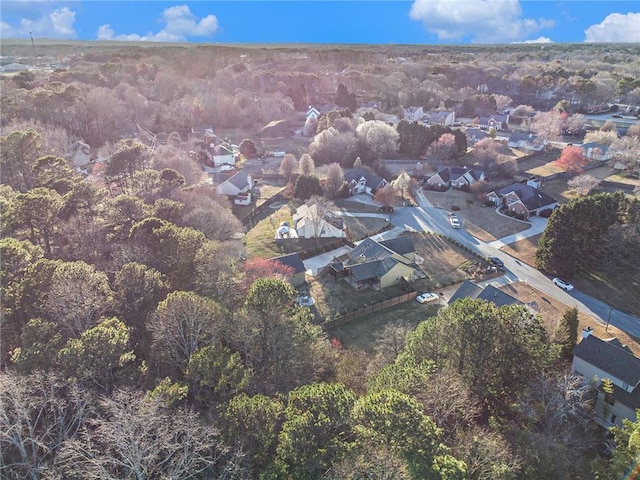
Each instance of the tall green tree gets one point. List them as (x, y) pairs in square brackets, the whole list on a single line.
[(307, 186), (574, 231), (495, 350), (316, 430), (97, 357), (395, 422), (38, 211), (18, 152)]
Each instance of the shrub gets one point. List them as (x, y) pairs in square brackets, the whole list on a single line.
[(546, 213), (455, 208)]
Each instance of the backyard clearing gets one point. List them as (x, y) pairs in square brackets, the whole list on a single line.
[(481, 222)]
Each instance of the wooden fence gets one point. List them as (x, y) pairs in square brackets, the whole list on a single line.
[(349, 317)]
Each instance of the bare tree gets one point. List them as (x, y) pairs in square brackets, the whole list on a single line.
[(138, 438), (486, 152), (584, 183), (182, 323), (306, 165), (502, 101), (288, 166), (442, 150), (626, 150), (548, 126), (334, 180), (600, 136), (386, 196), (391, 340), (320, 208), (402, 183), (38, 414)]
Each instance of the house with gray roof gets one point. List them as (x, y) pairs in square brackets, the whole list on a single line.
[(597, 151), (525, 141), (474, 135), (468, 289), (381, 264), (361, 180), (444, 118), (238, 187), (293, 261), (523, 199), (457, 177), (596, 359)]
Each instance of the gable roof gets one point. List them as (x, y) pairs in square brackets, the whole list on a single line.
[(601, 146), (369, 249), (609, 358), (530, 196), (373, 269), (436, 116), (355, 174), (292, 260), (522, 136), (401, 245), (240, 179), (488, 293)]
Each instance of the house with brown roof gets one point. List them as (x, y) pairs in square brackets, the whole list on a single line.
[(596, 359)]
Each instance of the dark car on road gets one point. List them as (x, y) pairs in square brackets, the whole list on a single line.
[(497, 262)]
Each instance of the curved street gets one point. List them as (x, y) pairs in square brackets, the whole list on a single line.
[(426, 218)]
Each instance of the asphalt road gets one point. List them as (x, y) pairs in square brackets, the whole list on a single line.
[(426, 217)]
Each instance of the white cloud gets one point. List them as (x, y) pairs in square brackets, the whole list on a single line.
[(616, 27), (57, 23), (179, 21), (483, 21), (537, 40)]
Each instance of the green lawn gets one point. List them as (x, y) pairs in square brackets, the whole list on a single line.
[(260, 240)]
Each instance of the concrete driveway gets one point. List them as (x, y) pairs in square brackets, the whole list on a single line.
[(538, 225)]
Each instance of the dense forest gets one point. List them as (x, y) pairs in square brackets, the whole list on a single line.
[(137, 342)]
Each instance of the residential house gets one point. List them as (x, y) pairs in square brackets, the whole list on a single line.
[(79, 155), (496, 122), (468, 289), (524, 199), (238, 187), (597, 359), (379, 265), (373, 105), (294, 261), (219, 152), (446, 119), (317, 112), (474, 135), (360, 180), (457, 177), (525, 141), (413, 114), (597, 151), (199, 132), (307, 223)]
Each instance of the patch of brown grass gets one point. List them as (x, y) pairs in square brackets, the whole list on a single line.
[(481, 222), (552, 310), (524, 250)]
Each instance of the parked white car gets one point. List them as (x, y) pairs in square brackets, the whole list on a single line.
[(455, 223), (427, 297), (562, 284)]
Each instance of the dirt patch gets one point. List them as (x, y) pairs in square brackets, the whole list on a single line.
[(481, 222), (524, 250), (551, 312)]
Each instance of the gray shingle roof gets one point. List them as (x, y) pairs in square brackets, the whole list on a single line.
[(609, 358), (292, 260)]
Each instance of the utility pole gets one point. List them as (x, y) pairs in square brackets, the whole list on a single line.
[(32, 43)]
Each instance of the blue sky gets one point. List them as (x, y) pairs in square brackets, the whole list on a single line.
[(320, 21)]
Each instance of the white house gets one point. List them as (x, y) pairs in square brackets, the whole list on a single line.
[(446, 119), (238, 187), (597, 151), (360, 180), (525, 141), (412, 114), (457, 177), (308, 224)]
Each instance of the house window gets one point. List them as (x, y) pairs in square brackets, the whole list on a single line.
[(613, 419)]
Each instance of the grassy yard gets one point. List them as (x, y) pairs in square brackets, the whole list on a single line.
[(361, 333), (363, 227), (260, 240), (481, 222)]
